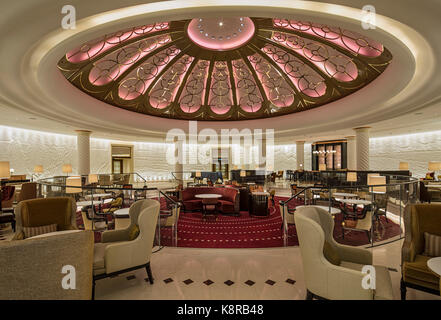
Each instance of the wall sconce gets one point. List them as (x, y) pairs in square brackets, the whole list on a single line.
[(404, 166), (67, 168)]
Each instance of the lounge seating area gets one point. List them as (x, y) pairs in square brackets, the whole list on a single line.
[(220, 150)]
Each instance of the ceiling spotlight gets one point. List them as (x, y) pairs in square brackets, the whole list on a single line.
[(221, 24)]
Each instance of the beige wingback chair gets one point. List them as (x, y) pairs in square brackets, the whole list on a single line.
[(41, 212), (333, 271), (32, 269), (118, 253)]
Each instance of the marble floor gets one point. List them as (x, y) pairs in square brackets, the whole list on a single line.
[(229, 274)]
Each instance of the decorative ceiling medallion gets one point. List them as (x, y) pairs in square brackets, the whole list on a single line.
[(225, 68)]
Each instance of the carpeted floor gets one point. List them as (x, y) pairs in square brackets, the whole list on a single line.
[(247, 231)]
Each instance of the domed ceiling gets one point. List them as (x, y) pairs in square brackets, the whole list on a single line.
[(225, 68)]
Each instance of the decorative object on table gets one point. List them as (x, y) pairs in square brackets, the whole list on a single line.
[(327, 264), (67, 168), (419, 219), (41, 212), (117, 254)]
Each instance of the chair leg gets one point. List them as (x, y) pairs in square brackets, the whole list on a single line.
[(149, 272), (93, 289), (309, 295), (403, 289)]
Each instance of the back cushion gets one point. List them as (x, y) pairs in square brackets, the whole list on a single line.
[(41, 212), (35, 231), (432, 245)]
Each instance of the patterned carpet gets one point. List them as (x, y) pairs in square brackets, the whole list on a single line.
[(246, 231)]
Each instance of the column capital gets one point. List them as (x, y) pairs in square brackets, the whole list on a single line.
[(85, 132), (361, 128)]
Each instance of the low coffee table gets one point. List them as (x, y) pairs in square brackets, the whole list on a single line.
[(206, 197)]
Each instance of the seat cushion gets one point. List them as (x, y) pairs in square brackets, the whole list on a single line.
[(383, 283), (227, 206), (418, 272)]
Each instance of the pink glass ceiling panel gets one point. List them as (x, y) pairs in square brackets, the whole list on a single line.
[(97, 46), (220, 98), (248, 93), (346, 39), (193, 94)]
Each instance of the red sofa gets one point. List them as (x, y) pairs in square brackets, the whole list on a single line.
[(229, 201)]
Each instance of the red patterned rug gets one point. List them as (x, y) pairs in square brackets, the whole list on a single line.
[(246, 231)]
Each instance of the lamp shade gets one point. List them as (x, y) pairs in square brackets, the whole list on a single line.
[(404, 166), (243, 173), (369, 177), (322, 167), (351, 176), (379, 183), (93, 178), (434, 166), (73, 185), (38, 169), (5, 170), (67, 168), (198, 174)]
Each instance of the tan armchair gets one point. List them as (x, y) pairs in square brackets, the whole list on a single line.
[(32, 268), (42, 212), (118, 253), (331, 270), (419, 218)]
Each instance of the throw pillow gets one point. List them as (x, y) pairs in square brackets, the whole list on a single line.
[(35, 231), (331, 254), (432, 245), (133, 232)]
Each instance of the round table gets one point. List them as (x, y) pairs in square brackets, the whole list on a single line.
[(90, 202), (260, 193), (434, 265), (208, 196), (333, 210), (122, 218), (98, 195), (355, 201), (345, 195)]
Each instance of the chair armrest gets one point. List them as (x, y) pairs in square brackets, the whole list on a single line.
[(346, 284), (408, 251), (355, 255), (19, 236), (115, 235), (123, 255)]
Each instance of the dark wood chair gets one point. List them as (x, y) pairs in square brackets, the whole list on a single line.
[(425, 195)]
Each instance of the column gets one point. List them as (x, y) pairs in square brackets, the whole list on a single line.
[(300, 155), (83, 151), (351, 153), (362, 148), (180, 156)]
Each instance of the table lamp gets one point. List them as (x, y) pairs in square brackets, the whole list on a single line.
[(243, 173), (92, 178), (322, 167), (369, 177), (378, 184), (5, 173), (67, 168), (351, 176), (73, 185), (434, 166), (404, 166), (38, 170)]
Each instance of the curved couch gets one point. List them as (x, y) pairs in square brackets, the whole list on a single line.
[(229, 201)]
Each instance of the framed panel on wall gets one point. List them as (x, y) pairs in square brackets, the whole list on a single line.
[(331, 155)]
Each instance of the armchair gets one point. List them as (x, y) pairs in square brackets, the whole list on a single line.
[(333, 271), (31, 269), (418, 219), (28, 191), (360, 222), (41, 212), (7, 196), (119, 252)]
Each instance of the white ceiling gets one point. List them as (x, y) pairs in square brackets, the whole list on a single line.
[(34, 94)]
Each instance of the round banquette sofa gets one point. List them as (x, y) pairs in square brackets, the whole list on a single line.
[(229, 203)]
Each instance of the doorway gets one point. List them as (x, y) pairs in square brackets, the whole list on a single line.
[(122, 159)]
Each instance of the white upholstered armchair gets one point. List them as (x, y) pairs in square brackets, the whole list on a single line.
[(331, 270), (128, 249)]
